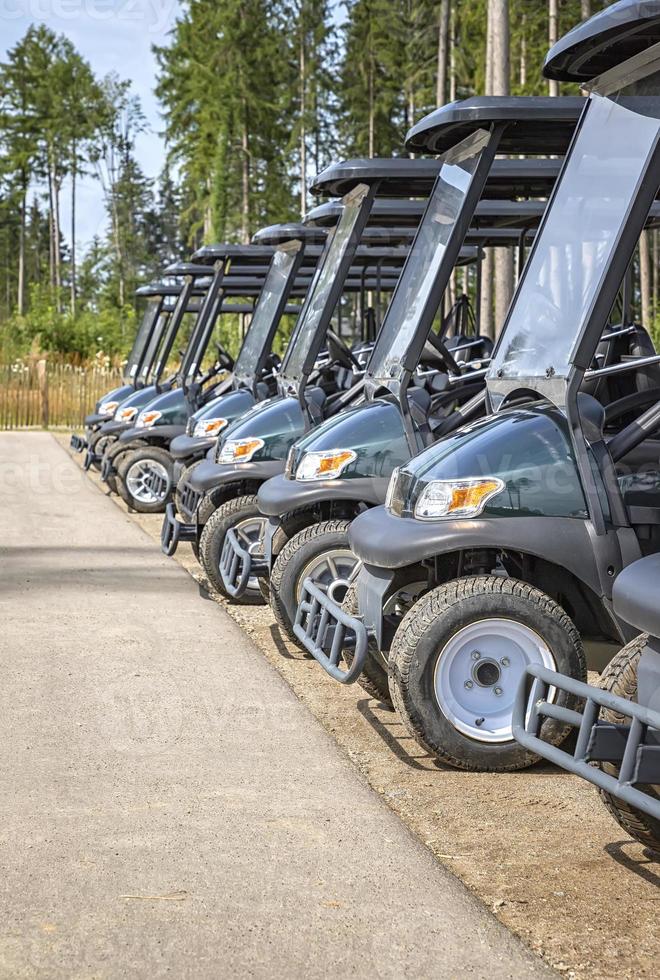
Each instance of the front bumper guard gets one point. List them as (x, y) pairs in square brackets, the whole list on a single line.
[(238, 565), (635, 748), (77, 443), (173, 531), (107, 469), (90, 458), (159, 486), (324, 629)]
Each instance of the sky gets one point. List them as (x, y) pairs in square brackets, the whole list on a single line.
[(113, 35)]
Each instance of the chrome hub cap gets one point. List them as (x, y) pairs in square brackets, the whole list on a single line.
[(478, 673), (140, 482), (330, 572)]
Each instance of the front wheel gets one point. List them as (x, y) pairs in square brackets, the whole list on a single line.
[(319, 552), (457, 661), (620, 678), (243, 516), (99, 444), (145, 478)]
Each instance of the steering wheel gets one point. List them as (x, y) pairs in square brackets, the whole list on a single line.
[(441, 348), (341, 352), (225, 360)]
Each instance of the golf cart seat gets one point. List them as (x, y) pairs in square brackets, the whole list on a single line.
[(635, 594)]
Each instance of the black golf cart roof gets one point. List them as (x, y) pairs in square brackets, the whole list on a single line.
[(534, 124), (507, 178), (610, 37), (157, 289), (255, 254), (288, 232), (396, 177), (399, 212)]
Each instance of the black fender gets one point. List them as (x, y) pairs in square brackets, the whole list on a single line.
[(208, 475), (184, 446), (156, 434), (383, 540), (94, 419), (113, 428), (281, 495)]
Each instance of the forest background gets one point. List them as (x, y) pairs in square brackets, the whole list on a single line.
[(256, 97)]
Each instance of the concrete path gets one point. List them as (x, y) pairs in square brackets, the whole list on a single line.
[(168, 806)]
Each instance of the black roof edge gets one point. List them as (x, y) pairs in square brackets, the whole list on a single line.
[(288, 232), (397, 176), (607, 39), (534, 124), (208, 254)]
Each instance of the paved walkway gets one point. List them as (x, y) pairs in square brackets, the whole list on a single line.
[(168, 806)]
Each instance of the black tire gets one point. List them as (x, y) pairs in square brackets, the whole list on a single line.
[(146, 454), (226, 516), (373, 678), (100, 442), (292, 561), (428, 627), (620, 678), (115, 454)]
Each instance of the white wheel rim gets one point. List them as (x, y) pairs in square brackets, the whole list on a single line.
[(330, 572), (138, 481), (250, 533), (478, 672)]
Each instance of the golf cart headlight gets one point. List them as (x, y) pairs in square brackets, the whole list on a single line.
[(147, 419), (206, 428), (125, 414), (456, 498), (324, 466), (108, 408), (239, 450)]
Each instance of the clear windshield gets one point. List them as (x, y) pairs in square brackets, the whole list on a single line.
[(421, 269), (141, 339), (153, 345), (203, 328), (311, 318), (274, 289), (577, 242)]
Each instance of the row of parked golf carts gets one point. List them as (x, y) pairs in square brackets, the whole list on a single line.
[(462, 529)]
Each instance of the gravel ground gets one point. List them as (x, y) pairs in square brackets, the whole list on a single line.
[(537, 847)]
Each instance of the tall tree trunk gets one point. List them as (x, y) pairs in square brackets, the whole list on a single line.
[(522, 72), (73, 233), (501, 69), (443, 54), (245, 181), (302, 67), (645, 278), (371, 107), (553, 36), (585, 9), (656, 271), (486, 321), (452, 54), (51, 233), (21, 252)]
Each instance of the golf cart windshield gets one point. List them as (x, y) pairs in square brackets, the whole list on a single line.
[(580, 232), (273, 295), (153, 346), (141, 339), (420, 272), (309, 321)]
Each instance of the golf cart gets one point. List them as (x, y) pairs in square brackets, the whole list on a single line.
[(409, 403), (363, 279), (253, 377), (255, 447), (154, 319), (237, 271), (617, 747), (497, 548)]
